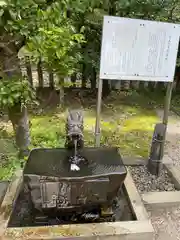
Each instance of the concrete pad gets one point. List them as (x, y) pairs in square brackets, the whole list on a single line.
[(9, 200), (3, 189), (161, 199), (136, 230), (135, 199), (139, 229), (174, 173), (167, 160)]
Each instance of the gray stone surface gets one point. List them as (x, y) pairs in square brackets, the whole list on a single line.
[(172, 149), (3, 188), (166, 223)]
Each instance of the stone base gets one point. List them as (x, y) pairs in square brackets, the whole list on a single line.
[(139, 229)]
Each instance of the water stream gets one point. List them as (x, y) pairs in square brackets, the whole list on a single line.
[(74, 166)]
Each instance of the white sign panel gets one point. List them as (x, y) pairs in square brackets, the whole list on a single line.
[(135, 49)]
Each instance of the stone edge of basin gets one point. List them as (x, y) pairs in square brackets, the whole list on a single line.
[(139, 229)]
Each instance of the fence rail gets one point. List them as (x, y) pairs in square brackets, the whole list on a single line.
[(39, 77)]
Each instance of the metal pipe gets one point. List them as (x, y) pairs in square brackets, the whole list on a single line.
[(98, 114)]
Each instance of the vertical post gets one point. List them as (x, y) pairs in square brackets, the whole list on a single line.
[(98, 114), (29, 70), (166, 111), (51, 79), (40, 74)]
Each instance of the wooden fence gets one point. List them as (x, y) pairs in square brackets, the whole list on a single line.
[(39, 77)]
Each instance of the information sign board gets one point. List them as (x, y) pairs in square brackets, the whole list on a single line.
[(142, 50)]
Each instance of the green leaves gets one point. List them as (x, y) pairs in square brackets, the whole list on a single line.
[(56, 44), (3, 3), (63, 33), (13, 90)]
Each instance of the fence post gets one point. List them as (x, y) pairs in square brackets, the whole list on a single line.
[(40, 74), (73, 79), (29, 70), (51, 79)]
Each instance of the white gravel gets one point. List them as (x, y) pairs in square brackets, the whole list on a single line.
[(145, 182)]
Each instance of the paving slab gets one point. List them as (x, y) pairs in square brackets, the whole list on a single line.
[(166, 223), (161, 199), (174, 173)]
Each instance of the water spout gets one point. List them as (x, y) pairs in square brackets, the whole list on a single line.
[(74, 166)]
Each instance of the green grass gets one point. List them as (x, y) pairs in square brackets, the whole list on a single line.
[(8, 155), (127, 122)]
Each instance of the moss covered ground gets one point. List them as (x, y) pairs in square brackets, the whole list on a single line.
[(127, 122)]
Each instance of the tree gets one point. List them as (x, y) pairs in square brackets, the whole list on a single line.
[(91, 20), (42, 24), (56, 43), (160, 10), (54, 30)]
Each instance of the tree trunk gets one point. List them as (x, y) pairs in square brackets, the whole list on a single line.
[(29, 71), (112, 7), (106, 89), (151, 86), (40, 74), (177, 77), (18, 113), (83, 76), (51, 80), (61, 91), (93, 78), (19, 117), (73, 79)]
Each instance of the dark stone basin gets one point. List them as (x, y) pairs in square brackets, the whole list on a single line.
[(52, 191)]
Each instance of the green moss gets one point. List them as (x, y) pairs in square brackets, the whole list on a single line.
[(47, 131)]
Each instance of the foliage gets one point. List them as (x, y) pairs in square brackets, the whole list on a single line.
[(56, 41), (67, 34), (57, 48), (46, 28), (15, 91), (91, 21)]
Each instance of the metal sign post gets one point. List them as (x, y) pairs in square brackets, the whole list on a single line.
[(137, 50), (98, 114)]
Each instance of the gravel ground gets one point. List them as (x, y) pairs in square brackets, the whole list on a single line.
[(145, 182)]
